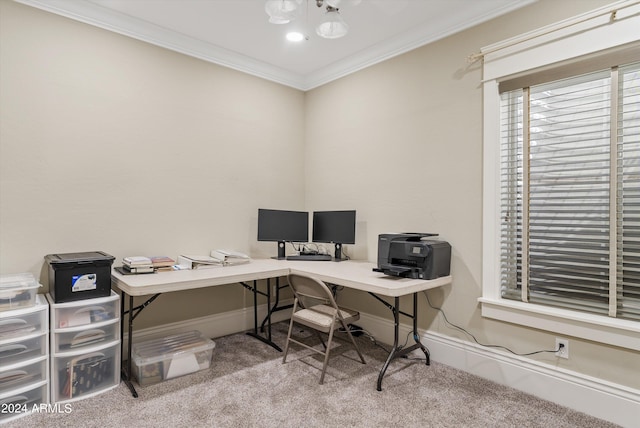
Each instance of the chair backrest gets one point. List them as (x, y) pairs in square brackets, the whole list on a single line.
[(306, 287)]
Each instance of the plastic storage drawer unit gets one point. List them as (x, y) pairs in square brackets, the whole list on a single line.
[(85, 347), (17, 291), (172, 356), (24, 359), (77, 276)]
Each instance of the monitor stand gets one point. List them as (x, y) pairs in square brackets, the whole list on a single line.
[(337, 255), (281, 251)]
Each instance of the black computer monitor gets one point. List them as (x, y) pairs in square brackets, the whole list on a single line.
[(336, 227), (283, 226)]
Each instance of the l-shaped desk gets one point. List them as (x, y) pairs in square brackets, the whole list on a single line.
[(351, 274)]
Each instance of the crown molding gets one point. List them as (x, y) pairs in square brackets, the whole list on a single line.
[(403, 43), (101, 17), (98, 16)]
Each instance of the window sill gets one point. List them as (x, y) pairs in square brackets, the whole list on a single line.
[(601, 329)]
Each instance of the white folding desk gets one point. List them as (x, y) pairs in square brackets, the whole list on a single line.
[(166, 282), (351, 274), (360, 276)]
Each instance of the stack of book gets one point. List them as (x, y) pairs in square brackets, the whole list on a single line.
[(162, 263), (138, 264)]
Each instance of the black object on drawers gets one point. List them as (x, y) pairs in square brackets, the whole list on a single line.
[(77, 276)]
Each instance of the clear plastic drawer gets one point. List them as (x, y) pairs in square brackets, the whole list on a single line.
[(85, 312), (22, 401), (22, 324), (22, 349), (19, 375), (84, 374), (71, 339)]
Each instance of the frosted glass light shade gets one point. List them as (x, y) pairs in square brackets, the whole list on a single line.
[(281, 11), (332, 25), (341, 3)]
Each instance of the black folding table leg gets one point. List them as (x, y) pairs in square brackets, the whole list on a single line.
[(416, 336), (133, 313), (255, 332), (275, 307), (399, 351), (394, 350), (127, 379)]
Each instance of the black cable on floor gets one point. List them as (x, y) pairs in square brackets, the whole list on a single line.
[(476, 340)]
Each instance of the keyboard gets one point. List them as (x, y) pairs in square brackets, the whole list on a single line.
[(316, 257)]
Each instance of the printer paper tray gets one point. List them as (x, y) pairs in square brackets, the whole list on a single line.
[(400, 270)]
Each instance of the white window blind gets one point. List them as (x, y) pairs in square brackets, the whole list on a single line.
[(570, 193), (628, 139)]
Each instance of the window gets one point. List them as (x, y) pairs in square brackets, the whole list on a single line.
[(561, 197), (570, 193)]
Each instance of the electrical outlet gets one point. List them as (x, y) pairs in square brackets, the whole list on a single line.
[(562, 346)]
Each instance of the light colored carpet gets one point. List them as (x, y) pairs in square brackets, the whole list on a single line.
[(248, 386)]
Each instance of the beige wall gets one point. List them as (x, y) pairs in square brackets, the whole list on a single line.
[(402, 142), (111, 144), (107, 143)]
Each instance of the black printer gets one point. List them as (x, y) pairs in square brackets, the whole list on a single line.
[(413, 255)]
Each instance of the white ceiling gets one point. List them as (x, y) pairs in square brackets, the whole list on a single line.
[(237, 34)]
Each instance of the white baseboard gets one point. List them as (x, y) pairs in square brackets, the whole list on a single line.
[(212, 326), (605, 400)]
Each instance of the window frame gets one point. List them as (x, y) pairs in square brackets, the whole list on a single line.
[(549, 48)]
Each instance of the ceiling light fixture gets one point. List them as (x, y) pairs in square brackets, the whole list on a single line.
[(331, 26)]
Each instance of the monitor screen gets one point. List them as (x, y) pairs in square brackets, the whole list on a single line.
[(334, 226), (279, 225)]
